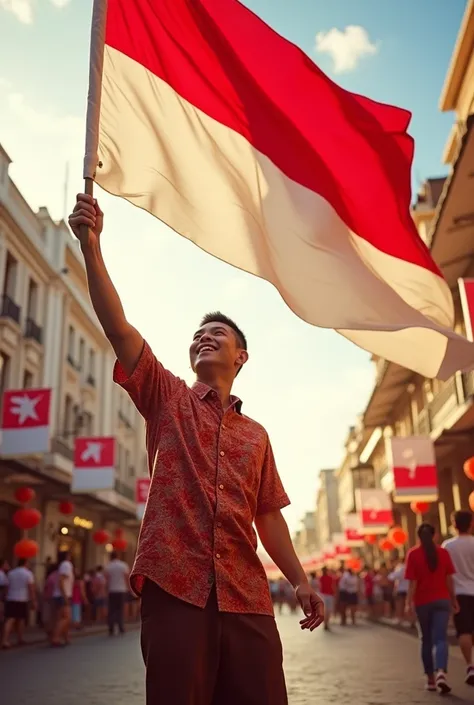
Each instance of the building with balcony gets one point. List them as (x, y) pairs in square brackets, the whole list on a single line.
[(327, 507), (403, 403), (305, 540), (50, 337)]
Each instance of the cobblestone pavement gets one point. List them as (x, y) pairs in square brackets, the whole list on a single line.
[(365, 665)]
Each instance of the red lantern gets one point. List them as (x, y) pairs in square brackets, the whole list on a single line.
[(386, 545), (420, 507), (100, 537), (471, 501), (371, 539), (66, 507), (26, 518), (25, 495), (118, 533), (356, 564), (120, 545), (26, 548), (469, 468), (398, 536)]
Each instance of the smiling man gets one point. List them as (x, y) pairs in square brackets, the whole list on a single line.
[(208, 632)]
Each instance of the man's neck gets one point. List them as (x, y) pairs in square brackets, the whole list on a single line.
[(222, 387)]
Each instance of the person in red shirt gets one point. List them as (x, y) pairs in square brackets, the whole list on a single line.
[(430, 570), (208, 628), (327, 588)]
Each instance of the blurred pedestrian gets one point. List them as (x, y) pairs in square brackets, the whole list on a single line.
[(48, 604), (349, 591), (62, 595), (400, 591), (117, 574), (461, 550), (21, 594), (77, 602), (431, 596), (99, 590), (327, 589), (4, 568)]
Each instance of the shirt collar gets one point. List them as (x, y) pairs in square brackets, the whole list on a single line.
[(202, 390)]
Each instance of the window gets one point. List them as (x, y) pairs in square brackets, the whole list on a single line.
[(28, 380), (71, 344), (82, 354), (87, 424), (4, 374), (68, 417), (91, 371), (127, 462), (11, 274), (32, 309)]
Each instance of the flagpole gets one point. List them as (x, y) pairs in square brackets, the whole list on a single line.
[(96, 64)]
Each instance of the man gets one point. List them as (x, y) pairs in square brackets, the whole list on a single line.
[(20, 594), (461, 550), (208, 630), (4, 568), (62, 595), (117, 574)]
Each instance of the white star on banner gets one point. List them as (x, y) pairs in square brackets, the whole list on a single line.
[(25, 408)]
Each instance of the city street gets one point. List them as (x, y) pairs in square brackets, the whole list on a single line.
[(366, 665)]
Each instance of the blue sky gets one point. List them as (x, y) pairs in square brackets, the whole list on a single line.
[(305, 385)]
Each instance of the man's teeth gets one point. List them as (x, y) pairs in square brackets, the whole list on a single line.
[(205, 348)]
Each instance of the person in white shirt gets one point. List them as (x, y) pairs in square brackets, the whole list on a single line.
[(461, 550), (349, 588), (4, 567), (20, 593), (401, 585), (62, 595), (117, 576)]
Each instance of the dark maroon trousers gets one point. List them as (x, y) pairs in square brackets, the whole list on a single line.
[(197, 656)]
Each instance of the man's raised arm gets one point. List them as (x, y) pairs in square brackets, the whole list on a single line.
[(124, 338)]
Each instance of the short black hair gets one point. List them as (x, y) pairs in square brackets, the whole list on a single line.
[(113, 556), (462, 520), (21, 562), (218, 317)]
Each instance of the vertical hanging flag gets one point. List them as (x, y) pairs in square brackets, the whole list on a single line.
[(466, 291), (141, 495), (375, 509), (413, 462), (340, 545), (94, 464), (25, 422), (353, 530)]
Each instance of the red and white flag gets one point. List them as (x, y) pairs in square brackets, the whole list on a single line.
[(415, 474), (329, 551), (341, 546), (141, 495), (94, 464), (375, 509), (204, 116), (25, 422), (352, 524), (466, 290)]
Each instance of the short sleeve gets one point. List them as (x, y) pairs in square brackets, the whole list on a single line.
[(150, 385), (31, 578), (271, 495), (410, 573)]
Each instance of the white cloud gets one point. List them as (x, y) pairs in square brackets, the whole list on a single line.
[(346, 47), (24, 10)]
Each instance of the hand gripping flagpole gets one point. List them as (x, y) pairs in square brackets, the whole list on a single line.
[(97, 47)]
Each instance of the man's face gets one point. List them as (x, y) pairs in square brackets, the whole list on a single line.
[(216, 345)]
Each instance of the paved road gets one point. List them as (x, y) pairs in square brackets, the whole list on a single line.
[(366, 665)]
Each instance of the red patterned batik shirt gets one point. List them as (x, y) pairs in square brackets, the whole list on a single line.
[(213, 472)]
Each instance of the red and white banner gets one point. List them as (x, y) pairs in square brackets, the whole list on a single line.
[(415, 474), (375, 509), (353, 532), (466, 291), (329, 552), (263, 155), (25, 422), (141, 495), (341, 546), (94, 464)]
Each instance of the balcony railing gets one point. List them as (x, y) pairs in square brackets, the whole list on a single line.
[(124, 490), (444, 402), (9, 309), (33, 331), (60, 446)]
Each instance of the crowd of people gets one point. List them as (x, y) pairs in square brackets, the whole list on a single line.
[(67, 599), (432, 588)]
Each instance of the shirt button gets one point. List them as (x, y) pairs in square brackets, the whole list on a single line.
[(221, 487), (222, 453), (218, 555)]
